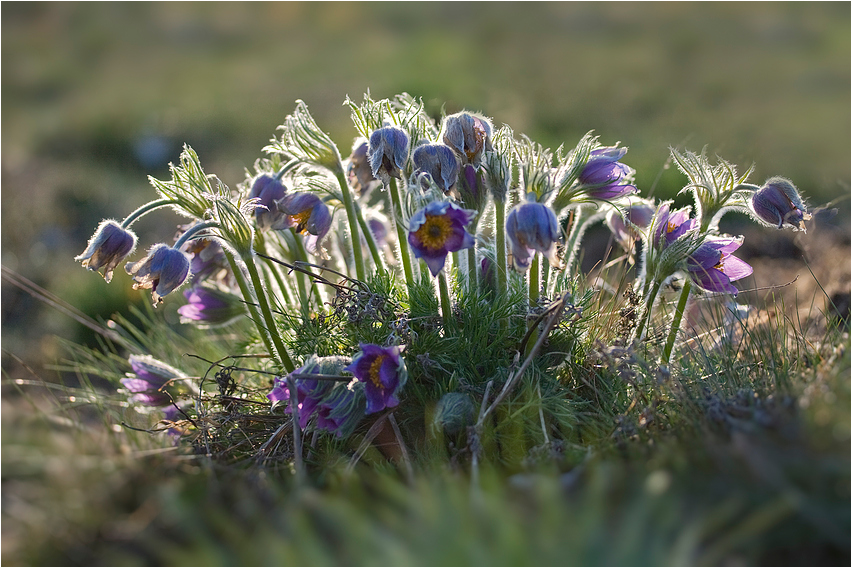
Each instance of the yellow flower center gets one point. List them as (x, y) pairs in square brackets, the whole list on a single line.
[(301, 220), (671, 227), (375, 367), (435, 231)]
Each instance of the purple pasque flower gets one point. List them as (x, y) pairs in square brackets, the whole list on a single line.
[(778, 203), (309, 393), (439, 162), (341, 410), (383, 373), (437, 230), (268, 190), (671, 225), (110, 244), (358, 171), (163, 270), (468, 134), (387, 152), (624, 221), (532, 227), (306, 213), (604, 177), (208, 307), (712, 267), (152, 382), (208, 259)]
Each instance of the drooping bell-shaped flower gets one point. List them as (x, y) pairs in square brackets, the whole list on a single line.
[(152, 382), (210, 307), (110, 245), (268, 189), (306, 213), (469, 135), (439, 162), (437, 230), (670, 225), (778, 203), (387, 152), (532, 227), (604, 177), (383, 373), (163, 270), (712, 267)]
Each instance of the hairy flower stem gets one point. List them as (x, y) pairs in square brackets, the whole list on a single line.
[(297, 431), (378, 259), (444, 291), (678, 317), (248, 297), (534, 293), (191, 232), (352, 217), (646, 314), (401, 235), (302, 256), (500, 243), (260, 244), (272, 329), (471, 268), (144, 209)]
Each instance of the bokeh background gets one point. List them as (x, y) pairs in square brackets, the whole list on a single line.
[(96, 96)]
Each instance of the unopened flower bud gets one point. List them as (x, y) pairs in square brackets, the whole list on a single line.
[(388, 152), (469, 135), (358, 171), (107, 248), (532, 227), (778, 203), (439, 162), (164, 270), (268, 189)]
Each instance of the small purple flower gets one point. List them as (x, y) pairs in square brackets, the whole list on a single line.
[(341, 410), (210, 307), (388, 152), (532, 227), (107, 248), (309, 392), (359, 172), (778, 203), (439, 162), (164, 270), (306, 213), (268, 190), (208, 259), (670, 226), (150, 380), (383, 373), (437, 230), (604, 177), (468, 134), (713, 268)]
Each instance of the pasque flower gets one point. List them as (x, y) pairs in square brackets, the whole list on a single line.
[(358, 170), (110, 244), (208, 306), (268, 190), (383, 373), (712, 267), (671, 225), (638, 214), (341, 409), (468, 134), (153, 383), (306, 213), (778, 203), (387, 152), (604, 177), (437, 230), (439, 162), (532, 227), (164, 270)]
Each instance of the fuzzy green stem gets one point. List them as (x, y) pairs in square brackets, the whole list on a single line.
[(302, 255), (444, 290), (273, 267), (534, 293), (352, 218), (471, 267), (190, 233), (378, 259), (500, 242), (145, 209), (260, 293), (401, 236), (646, 314), (249, 300), (678, 317)]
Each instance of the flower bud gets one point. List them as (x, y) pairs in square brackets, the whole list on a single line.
[(454, 412), (532, 227), (439, 162), (638, 213), (778, 203), (107, 248), (163, 270), (306, 213), (469, 135), (210, 307), (153, 383), (388, 152)]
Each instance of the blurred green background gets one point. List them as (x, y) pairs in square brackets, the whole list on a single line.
[(96, 96)]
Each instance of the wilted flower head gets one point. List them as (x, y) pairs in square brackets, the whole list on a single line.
[(358, 171), (670, 225), (306, 213), (383, 373), (712, 267), (164, 270), (638, 213), (153, 383), (604, 177), (210, 307), (532, 227), (778, 203), (439, 162), (107, 248), (268, 189), (439, 229), (388, 152), (468, 134)]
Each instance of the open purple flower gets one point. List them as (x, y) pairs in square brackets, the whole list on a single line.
[(164, 270), (713, 268), (532, 227), (671, 225), (306, 213), (778, 203), (383, 373), (439, 162), (110, 244), (388, 152), (268, 189), (152, 382), (604, 177), (309, 392), (209, 306), (468, 134), (437, 230)]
